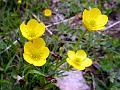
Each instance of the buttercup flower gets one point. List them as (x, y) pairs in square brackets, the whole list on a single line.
[(94, 20), (35, 52), (79, 60), (32, 30), (19, 1), (47, 12)]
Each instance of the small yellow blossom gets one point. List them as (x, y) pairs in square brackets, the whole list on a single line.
[(79, 60), (94, 20), (19, 1), (32, 30), (35, 52), (47, 12)]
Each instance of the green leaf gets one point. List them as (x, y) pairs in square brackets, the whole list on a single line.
[(35, 72)]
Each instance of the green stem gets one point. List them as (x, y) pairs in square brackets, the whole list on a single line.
[(10, 61), (56, 66), (79, 39)]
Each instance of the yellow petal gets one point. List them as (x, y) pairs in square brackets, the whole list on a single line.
[(94, 28), (86, 15), (79, 67), (39, 62), (71, 54), (97, 28), (86, 24), (86, 18), (24, 30), (27, 58), (38, 43), (36, 31), (87, 62), (32, 23), (101, 20), (44, 52), (39, 29), (35, 44), (94, 12), (81, 54), (28, 47), (69, 61), (35, 62), (75, 64)]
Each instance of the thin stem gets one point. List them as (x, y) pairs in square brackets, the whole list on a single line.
[(10, 61), (57, 62), (79, 39)]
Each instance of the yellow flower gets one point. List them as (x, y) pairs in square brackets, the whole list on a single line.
[(79, 60), (19, 1), (35, 52), (94, 20), (47, 12), (32, 30)]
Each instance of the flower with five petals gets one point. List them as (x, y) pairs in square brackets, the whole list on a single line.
[(35, 52), (32, 30), (78, 60), (94, 20)]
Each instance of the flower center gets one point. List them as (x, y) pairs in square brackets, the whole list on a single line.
[(36, 55), (32, 34), (77, 61), (92, 22)]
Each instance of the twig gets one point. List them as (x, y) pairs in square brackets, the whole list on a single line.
[(35, 17), (108, 27), (63, 21), (112, 25), (93, 81)]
